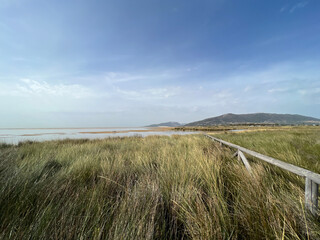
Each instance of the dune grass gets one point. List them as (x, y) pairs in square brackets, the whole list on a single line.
[(297, 145), (179, 187)]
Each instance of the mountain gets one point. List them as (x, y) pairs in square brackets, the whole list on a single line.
[(256, 118), (166, 124)]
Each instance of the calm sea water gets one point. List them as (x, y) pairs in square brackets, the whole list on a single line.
[(16, 135)]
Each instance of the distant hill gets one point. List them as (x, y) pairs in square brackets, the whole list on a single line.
[(256, 118), (166, 124)]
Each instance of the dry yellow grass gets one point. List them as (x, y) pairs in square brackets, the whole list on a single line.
[(179, 187)]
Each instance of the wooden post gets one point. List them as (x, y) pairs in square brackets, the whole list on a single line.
[(311, 196), (307, 194), (314, 197), (245, 161), (235, 154)]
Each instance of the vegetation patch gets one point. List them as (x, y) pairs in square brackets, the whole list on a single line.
[(158, 187)]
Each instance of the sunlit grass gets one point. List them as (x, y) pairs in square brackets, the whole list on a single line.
[(296, 145), (179, 187)]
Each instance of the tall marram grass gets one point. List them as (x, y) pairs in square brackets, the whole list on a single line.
[(296, 145), (179, 187)]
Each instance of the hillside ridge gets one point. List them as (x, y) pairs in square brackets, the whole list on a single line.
[(256, 118), (166, 124)]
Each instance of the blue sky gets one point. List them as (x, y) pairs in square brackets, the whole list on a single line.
[(131, 63)]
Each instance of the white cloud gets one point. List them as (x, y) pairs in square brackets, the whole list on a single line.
[(283, 8), (117, 77), (297, 6), (284, 87), (225, 97), (151, 93), (154, 75), (273, 90), (294, 7), (275, 39), (28, 87), (247, 89), (310, 91)]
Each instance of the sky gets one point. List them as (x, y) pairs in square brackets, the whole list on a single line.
[(108, 63)]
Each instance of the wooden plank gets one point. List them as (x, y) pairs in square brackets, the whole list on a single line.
[(287, 166), (245, 161), (311, 196), (314, 197), (235, 154), (308, 194)]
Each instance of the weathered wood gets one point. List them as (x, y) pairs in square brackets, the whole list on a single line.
[(235, 154), (315, 177), (245, 161), (308, 194), (314, 197), (311, 196), (238, 155)]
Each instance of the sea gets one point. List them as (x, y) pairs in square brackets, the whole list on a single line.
[(16, 135)]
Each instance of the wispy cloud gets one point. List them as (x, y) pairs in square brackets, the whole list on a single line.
[(292, 87), (275, 39), (148, 94), (311, 94), (28, 87), (297, 6), (277, 90), (294, 7), (119, 77), (284, 8)]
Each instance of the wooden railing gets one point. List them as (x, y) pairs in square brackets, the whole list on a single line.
[(312, 179)]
